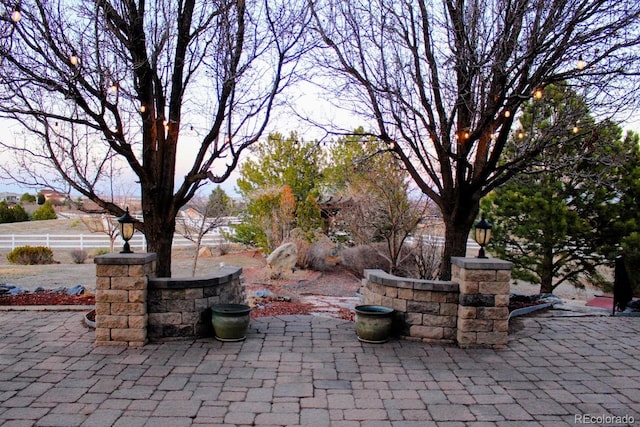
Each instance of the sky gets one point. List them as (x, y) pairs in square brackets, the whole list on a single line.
[(309, 102)]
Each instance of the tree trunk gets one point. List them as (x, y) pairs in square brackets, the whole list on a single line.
[(159, 227), (194, 266), (546, 273), (457, 224)]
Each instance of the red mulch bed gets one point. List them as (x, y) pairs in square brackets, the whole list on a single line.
[(279, 308), (47, 298)]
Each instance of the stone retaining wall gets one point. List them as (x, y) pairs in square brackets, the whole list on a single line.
[(425, 309), (471, 310), (181, 307), (132, 306)]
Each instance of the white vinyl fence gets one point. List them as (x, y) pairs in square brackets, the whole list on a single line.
[(91, 241)]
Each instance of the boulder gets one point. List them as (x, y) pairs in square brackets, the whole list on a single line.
[(205, 252), (283, 259)]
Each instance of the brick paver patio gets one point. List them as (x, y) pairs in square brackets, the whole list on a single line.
[(312, 371)]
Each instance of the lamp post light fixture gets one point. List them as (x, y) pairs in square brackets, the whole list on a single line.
[(127, 228), (482, 235)]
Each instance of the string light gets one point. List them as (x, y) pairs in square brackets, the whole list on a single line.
[(507, 113), (74, 59), (143, 108), (16, 15), (537, 94), (113, 88), (520, 134), (581, 63), (576, 129)]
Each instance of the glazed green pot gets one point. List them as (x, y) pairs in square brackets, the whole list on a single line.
[(230, 321), (373, 323)]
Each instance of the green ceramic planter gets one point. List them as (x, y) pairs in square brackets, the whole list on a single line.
[(230, 321), (373, 323)]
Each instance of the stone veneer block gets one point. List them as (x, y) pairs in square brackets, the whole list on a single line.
[(448, 309), (103, 334), (112, 322), (502, 300), (466, 312), (469, 287), (405, 293), (103, 283), (102, 307), (128, 283), (427, 332), (107, 270), (109, 295), (493, 313), (399, 305), (137, 296), (495, 288)]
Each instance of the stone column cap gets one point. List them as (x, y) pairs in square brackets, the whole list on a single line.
[(125, 259), (481, 263)]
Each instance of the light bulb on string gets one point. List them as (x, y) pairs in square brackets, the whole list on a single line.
[(16, 15), (538, 93), (507, 113), (113, 88), (581, 63)]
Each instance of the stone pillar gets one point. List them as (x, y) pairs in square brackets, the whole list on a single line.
[(121, 298), (483, 313)]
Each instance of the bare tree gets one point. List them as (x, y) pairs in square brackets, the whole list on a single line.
[(92, 82), (381, 210), (443, 82), (105, 224), (207, 214)]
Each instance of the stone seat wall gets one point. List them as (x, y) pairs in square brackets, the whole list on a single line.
[(425, 309), (181, 307), (471, 310), (133, 306)]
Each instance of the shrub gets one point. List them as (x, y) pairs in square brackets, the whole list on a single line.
[(224, 247), (44, 212), (15, 213), (31, 255), (317, 256), (28, 198), (79, 256), (101, 251), (359, 258)]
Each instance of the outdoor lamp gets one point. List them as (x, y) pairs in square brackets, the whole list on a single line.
[(127, 228), (482, 235)]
